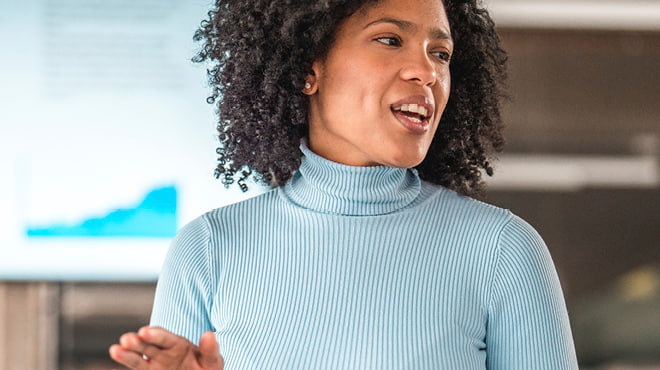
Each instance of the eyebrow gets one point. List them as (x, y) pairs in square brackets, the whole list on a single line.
[(409, 26)]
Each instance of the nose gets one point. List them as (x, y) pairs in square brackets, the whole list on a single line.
[(419, 68)]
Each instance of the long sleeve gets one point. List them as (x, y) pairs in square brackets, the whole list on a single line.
[(185, 289), (528, 325)]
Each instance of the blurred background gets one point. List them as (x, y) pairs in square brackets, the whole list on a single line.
[(108, 144)]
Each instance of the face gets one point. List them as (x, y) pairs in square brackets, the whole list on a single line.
[(377, 97)]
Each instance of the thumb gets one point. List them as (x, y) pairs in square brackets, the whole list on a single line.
[(209, 354)]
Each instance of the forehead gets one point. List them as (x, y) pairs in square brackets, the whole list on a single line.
[(409, 14)]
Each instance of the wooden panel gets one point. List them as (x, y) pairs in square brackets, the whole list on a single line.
[(29, 316), (94, 315), (583, 81)]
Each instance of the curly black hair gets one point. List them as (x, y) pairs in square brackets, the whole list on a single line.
[(261, 50)]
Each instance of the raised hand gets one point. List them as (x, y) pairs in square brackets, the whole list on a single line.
[(153, 348)]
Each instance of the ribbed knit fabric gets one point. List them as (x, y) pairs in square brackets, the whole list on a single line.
[(366, 268)]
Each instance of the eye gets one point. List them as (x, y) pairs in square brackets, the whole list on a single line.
[(442, 55), (389, 41)]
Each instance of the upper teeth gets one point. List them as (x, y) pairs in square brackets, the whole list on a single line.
[(413, 108)]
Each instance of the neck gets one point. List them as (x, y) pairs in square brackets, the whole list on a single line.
[(330, 187)]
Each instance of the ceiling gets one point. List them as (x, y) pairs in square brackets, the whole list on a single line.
[(642, 15)]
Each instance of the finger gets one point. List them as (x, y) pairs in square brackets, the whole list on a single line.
[(209, 355), (128, 358), (133, 342), (160, 337)]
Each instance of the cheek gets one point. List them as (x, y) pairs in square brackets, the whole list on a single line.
[(353, 67), (444, 82), (350, 91), (442, 94)]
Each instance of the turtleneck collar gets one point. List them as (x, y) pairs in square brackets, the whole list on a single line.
[(330, 187)]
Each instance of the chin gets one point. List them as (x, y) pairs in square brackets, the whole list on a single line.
[(405, 162), (408, 155)]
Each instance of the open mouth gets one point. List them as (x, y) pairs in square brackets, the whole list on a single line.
[(415, 113)]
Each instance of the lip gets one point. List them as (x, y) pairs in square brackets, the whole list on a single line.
[(415, 126)]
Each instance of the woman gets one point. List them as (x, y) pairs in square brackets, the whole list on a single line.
[(354, 261)]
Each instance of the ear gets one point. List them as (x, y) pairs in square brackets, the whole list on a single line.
[(311, 80)]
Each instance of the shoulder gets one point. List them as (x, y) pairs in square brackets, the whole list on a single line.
[(499, 229), (464, 210), (522, 251), (218, 222), (191, 240), (240, 210), (196, 243)]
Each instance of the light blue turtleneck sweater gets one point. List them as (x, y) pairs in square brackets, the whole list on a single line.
[(366, 268)]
